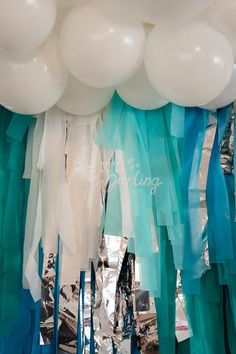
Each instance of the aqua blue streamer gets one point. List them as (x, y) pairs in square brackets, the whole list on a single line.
[(219, 224), (113, 219), (194, 134)]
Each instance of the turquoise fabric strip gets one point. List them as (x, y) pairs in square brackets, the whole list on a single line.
[(219, 224), (165, 305), (12, 155), (113, 218), (235, 163), (194, 134), (149, 141), (205, 316)]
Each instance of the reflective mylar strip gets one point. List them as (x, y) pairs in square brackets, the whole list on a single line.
[(47, 300), (68, 317)]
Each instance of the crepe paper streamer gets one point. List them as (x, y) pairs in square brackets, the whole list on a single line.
[(85, 180), (165, 305), (229, 180), (113, 215), (205, 316), (33, 228), (183, 347), (142, 137), (13, 129), (194, 134), (93, 290), (219, 225), (20, 338), (65, 195), (120, 131), (235, 161), (165, 170), (81, 324), (125, 202), (230, 331), (227, 270)]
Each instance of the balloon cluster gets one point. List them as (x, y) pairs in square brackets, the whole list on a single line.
[(76, 53)]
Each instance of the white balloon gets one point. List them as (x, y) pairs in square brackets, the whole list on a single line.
[(231, 36), (139, 93), (232, 41), (25, 24), (164, 12), (63, 8), (227, 97), (32, 83), (222, 14), (81, 99), (101, 45), (189, 65)]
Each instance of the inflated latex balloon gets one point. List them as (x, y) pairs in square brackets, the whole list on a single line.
[(63, 8), (232, 42), (139, 93), (25, 24), (32, 83), (81, 99), (164, 12), (190, 65), (227, 97), (101, 45), (231, 36), (222, 14)]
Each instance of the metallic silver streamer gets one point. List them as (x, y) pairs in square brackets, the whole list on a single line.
[(182, 327), (204, 167), (111, 254), (47, 301), (68, 317), (227, 147)]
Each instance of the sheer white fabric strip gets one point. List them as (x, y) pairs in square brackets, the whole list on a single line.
[(31, 278), (127, 224), (68, 177), (85, 176)]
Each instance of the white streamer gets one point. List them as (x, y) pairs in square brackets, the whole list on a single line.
[(65, 198)]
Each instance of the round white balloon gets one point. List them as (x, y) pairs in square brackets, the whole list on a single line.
[(101, 45), (189, 65), (139, 93), (63, 8), (32, 83), (164, 12), (222, 14), (25, 24), (227, 97), (81, 99)]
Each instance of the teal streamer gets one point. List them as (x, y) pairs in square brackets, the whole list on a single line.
[(206, 317), (113, 219), (194, 134), (13, 129), (165, 305), (149, 141), (219, 224), (235, 163)]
